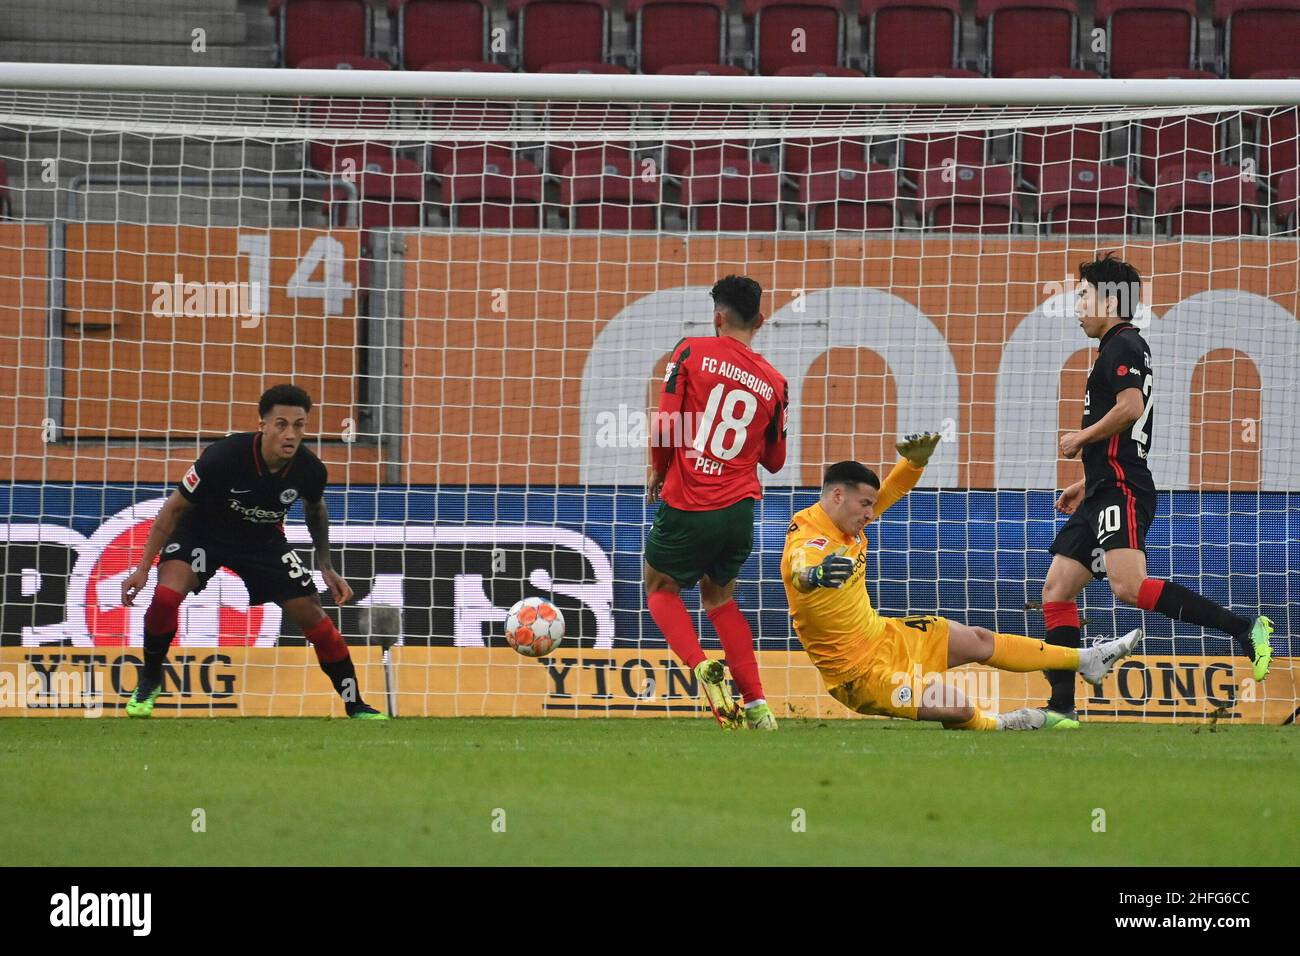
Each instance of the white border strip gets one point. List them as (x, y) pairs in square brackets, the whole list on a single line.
[(103, 78)]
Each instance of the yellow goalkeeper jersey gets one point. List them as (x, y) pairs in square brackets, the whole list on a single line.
[(836, 625)]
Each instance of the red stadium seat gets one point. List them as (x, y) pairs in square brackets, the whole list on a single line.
[(443, 120), (493, 192), (920, 153), (668, 32), (1056, 147), (819, 70), (702, 69), (1278, 151), (318, 27), (854, 197), (732, 196), (609, 194), (464, 66), (956, 73), (1173, 141), (777, 43), (1086, 198), (437, 31), (1287, 206), (560, 31), (1147, 34), (1258, 35), (1028, 34), (356, 114), (910, 34), (392, 193), (586, 118), (801, 156), (1205, 199), (969, 199), (342, 61)]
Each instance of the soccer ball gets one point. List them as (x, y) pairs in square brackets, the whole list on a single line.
[(534, 627)]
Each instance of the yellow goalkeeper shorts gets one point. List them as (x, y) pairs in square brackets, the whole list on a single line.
[(908, 652)]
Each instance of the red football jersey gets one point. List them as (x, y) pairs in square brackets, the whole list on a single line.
[(723, 411)]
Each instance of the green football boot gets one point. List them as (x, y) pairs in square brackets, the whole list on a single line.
[(142, 700), (1259, 632), (712, 677), (1055, 720), (760, 717), (366, 712)]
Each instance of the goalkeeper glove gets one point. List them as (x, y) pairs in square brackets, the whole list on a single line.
[(918, 448), (832, 572)]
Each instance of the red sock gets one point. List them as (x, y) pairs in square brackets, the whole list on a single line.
[(1149, 592), (328, 642), (738, 645), (674, 620)]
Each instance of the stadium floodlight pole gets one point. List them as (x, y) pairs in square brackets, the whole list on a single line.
[(105, 78)]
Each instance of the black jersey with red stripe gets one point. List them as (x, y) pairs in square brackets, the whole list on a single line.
[(1120, 461), (238, 499)]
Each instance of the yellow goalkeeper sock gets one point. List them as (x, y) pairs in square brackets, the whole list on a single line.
[(981, 721), (1012, 652)]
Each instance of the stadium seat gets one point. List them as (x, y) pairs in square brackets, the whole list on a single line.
[(332, 156), (1086, 198), (1028, 35), (977, 199), (668, 32), (1205, 199), (1258, 35), (392, 193), (342, 61), (1173, 141), (442, 120), (586, 118), (801, 156), (560, 31), (819, 70), (493, 192), (608, 194), (1147, 35), (438, 31), (1287, 205), (702, 69), (1056, 147), (1278, 149), (852, 197), (318, 27), (778, 45), (732, 196), (910, 34), (919, 153), (464, 66)]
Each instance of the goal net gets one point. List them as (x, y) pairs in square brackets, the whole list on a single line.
[(479, 277)]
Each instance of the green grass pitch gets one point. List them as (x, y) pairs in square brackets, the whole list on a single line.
[(423, 792)]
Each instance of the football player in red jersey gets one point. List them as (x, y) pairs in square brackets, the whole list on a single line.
[(722, 412)]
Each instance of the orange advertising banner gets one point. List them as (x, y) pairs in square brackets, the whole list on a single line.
[(520, 346)]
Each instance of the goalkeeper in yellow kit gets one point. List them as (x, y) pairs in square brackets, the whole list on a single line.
[(892, 666)]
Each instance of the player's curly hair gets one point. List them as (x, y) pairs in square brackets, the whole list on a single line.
[(849, 473), (740, 294), (290, 395), (1113, 278)]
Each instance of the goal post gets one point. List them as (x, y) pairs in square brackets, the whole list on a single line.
[(479, 277)]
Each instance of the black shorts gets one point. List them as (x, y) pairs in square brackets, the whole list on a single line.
[(272, 570), (1109, 519)]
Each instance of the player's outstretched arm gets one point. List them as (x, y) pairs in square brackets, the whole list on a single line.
[(159, 532), (902, 478), (318, 524)]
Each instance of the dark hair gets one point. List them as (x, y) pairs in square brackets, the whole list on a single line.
[(740, 294), (849, 473), (1114, 279), (290, 395)]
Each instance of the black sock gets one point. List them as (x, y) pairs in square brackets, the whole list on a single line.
[(1062, 700), (155, 652), (343, 675), (1178, 602)]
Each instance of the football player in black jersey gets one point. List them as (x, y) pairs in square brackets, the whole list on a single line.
[(1112, 507), (229, 511)]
